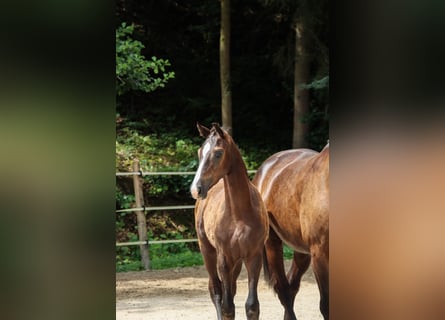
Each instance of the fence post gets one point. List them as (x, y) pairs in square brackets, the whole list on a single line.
[(142, 223)]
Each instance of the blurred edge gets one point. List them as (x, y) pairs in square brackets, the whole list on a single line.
[(57, 166), (387, 180)]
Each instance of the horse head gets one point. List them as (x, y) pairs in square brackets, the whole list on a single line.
[(214, 159)]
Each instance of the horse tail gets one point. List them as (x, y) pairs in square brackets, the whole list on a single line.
[(267, 275)]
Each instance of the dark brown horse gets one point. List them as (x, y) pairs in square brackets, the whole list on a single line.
[(231, 221), (294, 185)]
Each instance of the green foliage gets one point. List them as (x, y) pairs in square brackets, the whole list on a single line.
[(128, 265), (173, 255), (133, 71), (288, 253), (128, 258), (155, 152), (180, 260), (125, 202), (317, 84), (254, 156), (165, 152)]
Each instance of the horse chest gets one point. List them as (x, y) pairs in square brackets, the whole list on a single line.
[(239, 240), (222, 233)]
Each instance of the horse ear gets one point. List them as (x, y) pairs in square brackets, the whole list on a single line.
[(203, 131), (218, 129)]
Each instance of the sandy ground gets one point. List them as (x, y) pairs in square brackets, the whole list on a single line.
[(183, 294)]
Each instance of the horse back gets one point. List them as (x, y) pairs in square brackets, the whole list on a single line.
[(280, 168)]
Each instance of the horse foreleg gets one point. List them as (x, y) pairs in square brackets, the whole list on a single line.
[(253, 266), (225, 269), (321, 270), (235, 275), (275, 274), (300, 264), (209, 255), (215, 293)]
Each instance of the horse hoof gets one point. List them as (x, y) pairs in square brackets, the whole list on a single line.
[(252, 315)]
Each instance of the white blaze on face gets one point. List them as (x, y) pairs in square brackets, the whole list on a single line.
[(194, 188)]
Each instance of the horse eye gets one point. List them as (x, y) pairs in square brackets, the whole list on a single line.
[(218, 154)]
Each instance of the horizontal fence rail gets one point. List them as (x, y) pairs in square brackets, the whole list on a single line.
[(148, 242), (143, 242), (163, 173), (157, 208)]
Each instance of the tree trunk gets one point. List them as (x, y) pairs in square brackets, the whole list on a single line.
[(301, 96), (224, 64)]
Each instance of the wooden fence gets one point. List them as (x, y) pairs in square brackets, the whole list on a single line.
[(141, 207)]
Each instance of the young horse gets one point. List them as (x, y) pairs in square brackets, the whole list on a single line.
[(231, 221), (294, 185)]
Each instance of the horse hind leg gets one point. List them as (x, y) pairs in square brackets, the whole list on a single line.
[(300, 264), (275, 275), (321, 271)]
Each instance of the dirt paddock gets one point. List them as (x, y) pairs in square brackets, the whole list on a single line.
[(183, 294)]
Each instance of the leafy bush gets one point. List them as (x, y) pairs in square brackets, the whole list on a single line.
[(158, 153), (155, 152), (128, 258), (133, 72), (124, 202)]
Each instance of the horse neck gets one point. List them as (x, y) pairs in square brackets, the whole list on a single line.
[(236, 187)]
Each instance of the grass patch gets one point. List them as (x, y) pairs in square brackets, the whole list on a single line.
[(162, 256), (288, 253), (184, 258)]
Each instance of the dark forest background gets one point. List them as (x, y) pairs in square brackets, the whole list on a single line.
[(262, 55)]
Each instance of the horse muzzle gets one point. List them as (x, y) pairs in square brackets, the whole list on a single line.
[(199, 191)]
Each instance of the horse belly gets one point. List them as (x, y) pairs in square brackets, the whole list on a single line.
[(290, 232), (315, 219), (284, 213)]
